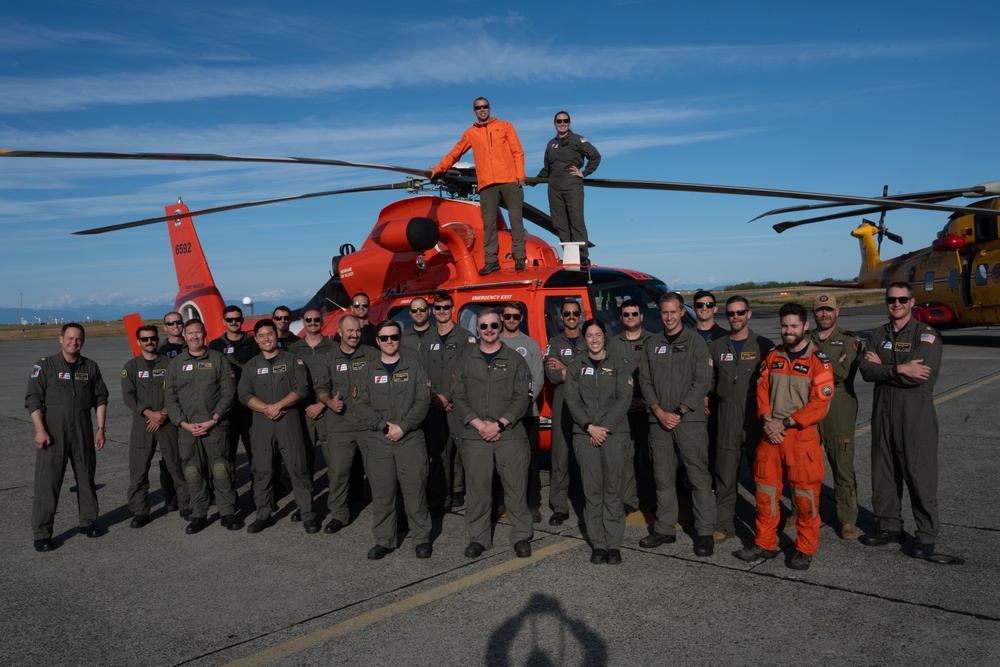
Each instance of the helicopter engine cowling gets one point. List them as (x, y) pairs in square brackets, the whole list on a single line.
[(418, 234)]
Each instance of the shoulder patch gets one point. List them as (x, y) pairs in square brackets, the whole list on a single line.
[(124, 373), (36, 370), (927, 338), (822, 357)]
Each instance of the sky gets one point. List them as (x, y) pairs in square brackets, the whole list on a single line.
[(831, 97)]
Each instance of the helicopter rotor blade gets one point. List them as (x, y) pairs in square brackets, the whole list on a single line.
[(931, 197), (206, 157), (233, 207), (896, 238), (786, 194)]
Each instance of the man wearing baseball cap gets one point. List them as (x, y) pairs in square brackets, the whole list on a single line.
[(837, 428)]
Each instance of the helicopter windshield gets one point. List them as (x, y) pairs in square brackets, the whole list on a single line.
[(609, 297)]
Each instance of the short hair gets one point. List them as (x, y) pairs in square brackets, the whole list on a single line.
[(146, 327), (792, 308), (344, 320), (230, 309), (306, 312), (900, 285), (480, 98), (737, 298), (194, 320), (703, 293), (515, 305), (173, 312), (670, 296), (357, 294), (482, 314), (417, 298), (385, 324), (593, 322), (442, 297), (629, 303), (266, 322), (72, 325), (569, 301), (285, 308), (559, 112)]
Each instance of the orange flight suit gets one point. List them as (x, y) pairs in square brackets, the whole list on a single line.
[(800, 389)]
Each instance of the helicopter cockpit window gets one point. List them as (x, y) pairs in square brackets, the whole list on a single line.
[(402, 315), (608, 300), (986, 228), (982, 274), (929, 281)]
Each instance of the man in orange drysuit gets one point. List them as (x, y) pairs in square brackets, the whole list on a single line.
[(793, 393), (500, 173)]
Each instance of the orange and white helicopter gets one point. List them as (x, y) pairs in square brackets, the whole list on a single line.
[(431, 243), (955, 281)]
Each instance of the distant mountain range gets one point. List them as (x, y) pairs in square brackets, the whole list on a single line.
[(102, 312)]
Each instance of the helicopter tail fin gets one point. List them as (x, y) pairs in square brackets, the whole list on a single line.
[(870, 258), (197, 295)]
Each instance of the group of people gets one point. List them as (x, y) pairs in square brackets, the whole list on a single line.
[(500, 175), (450, 417)]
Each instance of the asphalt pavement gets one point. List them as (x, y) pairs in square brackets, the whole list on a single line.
[(155, 596)]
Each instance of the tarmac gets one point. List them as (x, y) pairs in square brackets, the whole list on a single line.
[(155, 596)]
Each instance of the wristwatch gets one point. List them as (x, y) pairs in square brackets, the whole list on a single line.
[(679, 411), (501, 425), (787, 422), (385, 429)]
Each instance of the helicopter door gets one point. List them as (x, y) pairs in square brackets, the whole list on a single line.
[(972, 272)]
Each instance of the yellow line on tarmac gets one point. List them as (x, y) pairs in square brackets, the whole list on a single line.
[(323, 635), (947, 396)]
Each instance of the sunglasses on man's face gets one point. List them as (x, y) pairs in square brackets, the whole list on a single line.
[(174, 323), (418, 309), (512, 316), (358, 304), (483, 326), (445, 306), (897, 299), (233, 320), (571, 313), (281, 318), (312, 320), (387, 337), (149, 339)]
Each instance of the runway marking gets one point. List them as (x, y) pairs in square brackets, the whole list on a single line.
[(947, 396), (323, 635)]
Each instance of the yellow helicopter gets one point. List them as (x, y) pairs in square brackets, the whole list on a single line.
[(955, 281)]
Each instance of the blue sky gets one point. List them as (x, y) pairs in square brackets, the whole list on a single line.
[(832, 97)]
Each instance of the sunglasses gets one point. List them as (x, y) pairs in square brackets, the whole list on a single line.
[(571, 313), (233, 320), (312, 320), (442, 307), (736, 313), (147, 339), (281, 318), (489, 325), (358, 304), (635, 314), (512, 316), (562, 121), (419, 309), (387, 337), (705, 304), (480, 107), (174, 323), (897, 299)]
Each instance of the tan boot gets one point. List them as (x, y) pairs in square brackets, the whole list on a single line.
[(721, 537), (848, 532)]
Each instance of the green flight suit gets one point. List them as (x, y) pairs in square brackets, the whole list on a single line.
[(399, 397), (314, 358), (600, 393), (674, 373), (143, 389), (734, 398), (345, 432), (904, 427), (271, 380), (560, 347), (66, 396), (439, 356), (197, 388), (494, 391), (837, 429), (565, 189), (638, 466)]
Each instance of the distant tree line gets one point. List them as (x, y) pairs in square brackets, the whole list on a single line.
[(773, 284)]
